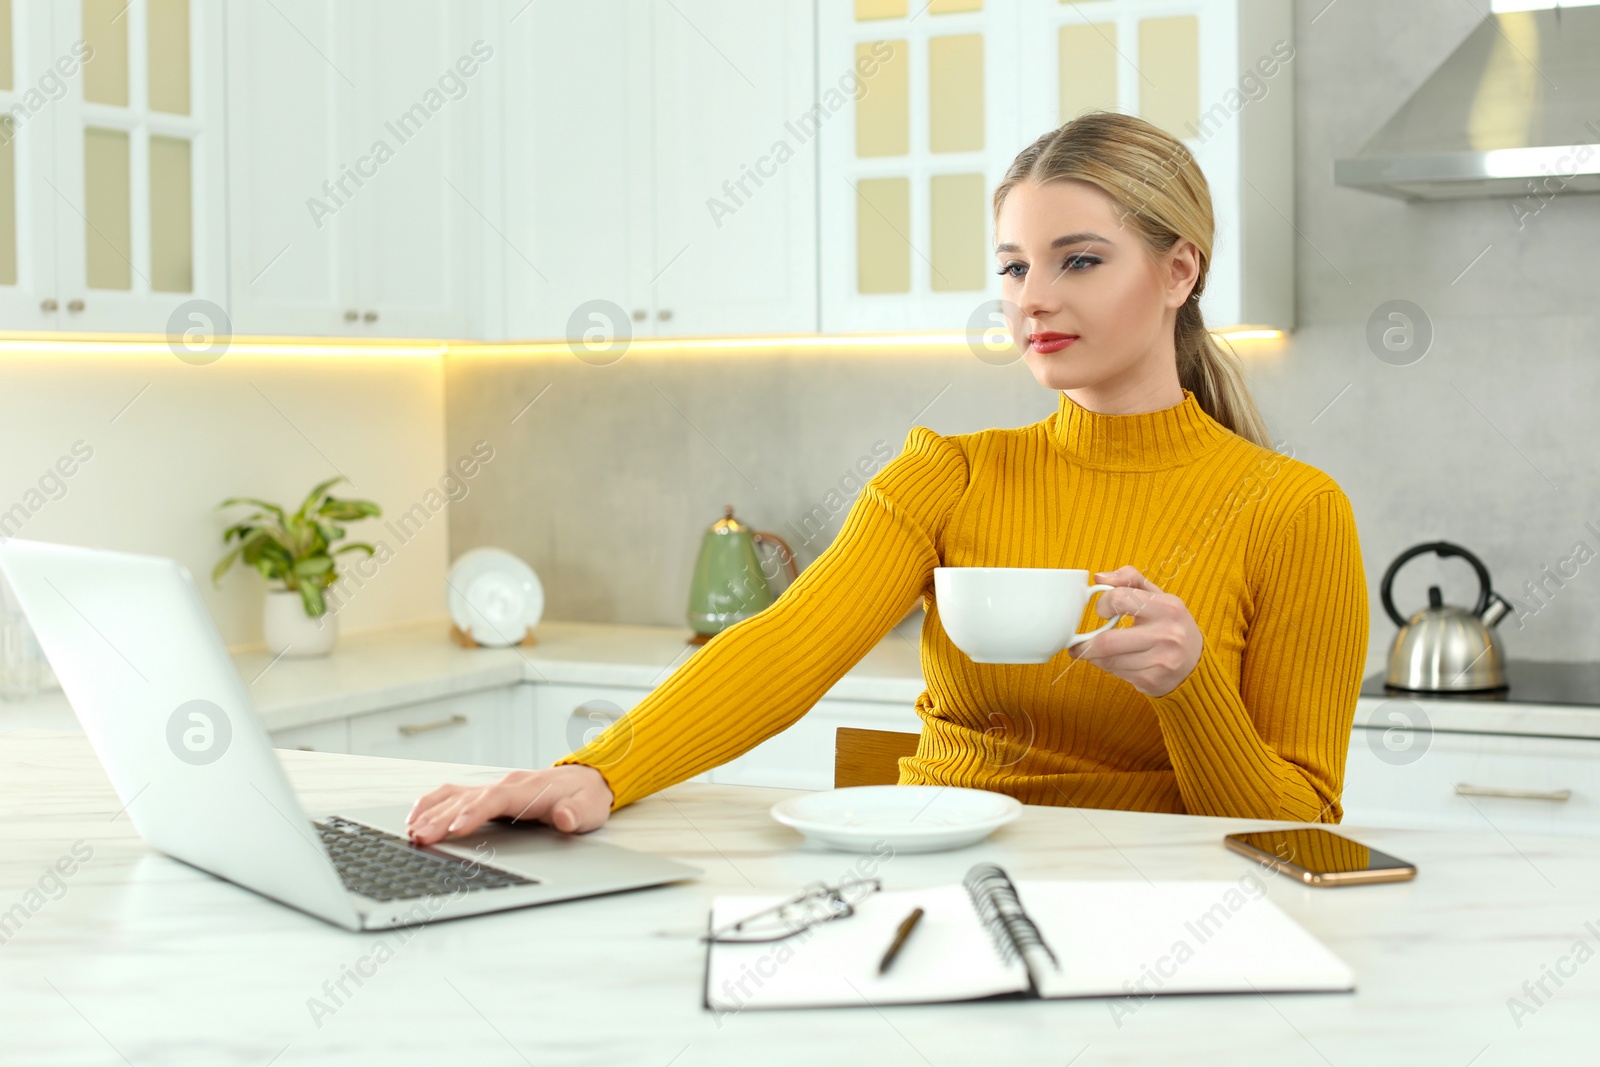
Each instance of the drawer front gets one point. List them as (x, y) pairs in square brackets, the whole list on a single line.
[(472, 728), (802, 756), (567, 717), (1488, 782), (318, 737)]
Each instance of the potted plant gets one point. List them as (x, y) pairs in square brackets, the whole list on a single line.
[(295, 553)]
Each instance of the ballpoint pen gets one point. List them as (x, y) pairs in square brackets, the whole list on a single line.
[(901, 935)]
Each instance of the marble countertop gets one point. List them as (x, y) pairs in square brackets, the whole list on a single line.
[(380, 669), (138, 959)]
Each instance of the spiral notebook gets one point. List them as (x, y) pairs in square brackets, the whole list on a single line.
[(991, 937)]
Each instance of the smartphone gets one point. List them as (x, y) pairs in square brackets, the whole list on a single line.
[(1320, 857)]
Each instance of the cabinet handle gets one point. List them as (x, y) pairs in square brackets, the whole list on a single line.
[(1465, 790), (371, 316), (48, 304), (74, 305), (352, 315), (638, 315), (664, 314), (438, 724), (583, 711)]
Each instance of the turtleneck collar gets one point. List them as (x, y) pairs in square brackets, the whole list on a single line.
[(1150, 440)]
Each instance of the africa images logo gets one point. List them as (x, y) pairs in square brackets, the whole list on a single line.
[(198, 732)]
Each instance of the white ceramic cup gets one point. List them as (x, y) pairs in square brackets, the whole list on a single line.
[(1014, 614)]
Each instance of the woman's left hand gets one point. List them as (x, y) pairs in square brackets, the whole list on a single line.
[(1162, 646)]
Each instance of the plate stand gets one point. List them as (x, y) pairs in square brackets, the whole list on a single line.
[(465, 640)]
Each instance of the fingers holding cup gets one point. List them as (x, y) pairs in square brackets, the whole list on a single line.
[(1161, 647)]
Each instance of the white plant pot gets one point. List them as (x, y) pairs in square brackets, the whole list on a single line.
[(291, 632)]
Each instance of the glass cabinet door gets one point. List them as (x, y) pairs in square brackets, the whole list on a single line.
[(950, 91), (1182, 66), (138, 163), (31, 86), (911, 157)]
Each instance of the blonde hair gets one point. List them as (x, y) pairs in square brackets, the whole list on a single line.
[(1163, 196)]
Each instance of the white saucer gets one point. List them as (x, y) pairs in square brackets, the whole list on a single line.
[(907, 818), (494, 597)]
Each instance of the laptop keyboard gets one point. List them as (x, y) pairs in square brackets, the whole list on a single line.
[(382, 866)]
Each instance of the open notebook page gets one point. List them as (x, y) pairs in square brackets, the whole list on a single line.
[(1135, 938), (949, 957)]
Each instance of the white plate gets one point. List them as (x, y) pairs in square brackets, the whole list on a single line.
[(907, 818), (494, 597)]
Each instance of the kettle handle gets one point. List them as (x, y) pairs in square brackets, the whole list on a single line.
[(1442, 549), (761, 537)]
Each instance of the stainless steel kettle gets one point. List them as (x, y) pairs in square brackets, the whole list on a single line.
[(1443, 648)]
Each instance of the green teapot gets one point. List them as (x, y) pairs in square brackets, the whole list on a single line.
[(731, 583)]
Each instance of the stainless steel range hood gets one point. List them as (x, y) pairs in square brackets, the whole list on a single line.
[(1514, 112)]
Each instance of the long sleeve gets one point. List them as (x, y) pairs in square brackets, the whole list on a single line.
[(760, 676), (1267, 738)]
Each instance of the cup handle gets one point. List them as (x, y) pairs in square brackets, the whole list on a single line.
[(1078, 639)]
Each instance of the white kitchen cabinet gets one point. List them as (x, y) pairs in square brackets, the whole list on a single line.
[(802, 756), (492, 726), (331, 736), (735, 168), (646, 192), (111, 168), (908, 166), (292, 113), (577, 254), (469, 728), (567, 717), (1218, 75), (29, 295), (955, 89), (1494, 783), (355, 198), (427, 75)]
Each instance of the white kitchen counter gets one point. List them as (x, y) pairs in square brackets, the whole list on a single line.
[(142, 960), (381, 669), (1479, 717)]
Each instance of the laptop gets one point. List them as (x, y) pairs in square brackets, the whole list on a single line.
[(148, 676)]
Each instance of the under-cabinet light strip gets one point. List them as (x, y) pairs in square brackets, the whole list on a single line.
[(148, 345), (157, 345)]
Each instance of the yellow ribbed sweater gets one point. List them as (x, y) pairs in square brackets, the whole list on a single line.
[(1261, 548)]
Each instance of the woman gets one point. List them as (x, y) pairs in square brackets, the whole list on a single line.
[(1229, 689)]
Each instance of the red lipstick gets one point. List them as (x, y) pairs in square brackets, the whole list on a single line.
[(1048, 341)]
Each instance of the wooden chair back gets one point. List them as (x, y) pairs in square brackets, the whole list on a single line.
[(869, 757)]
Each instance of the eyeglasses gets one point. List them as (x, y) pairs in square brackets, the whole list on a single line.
[(815, 904)]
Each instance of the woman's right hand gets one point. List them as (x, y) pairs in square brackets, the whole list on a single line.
[(573, 798)]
